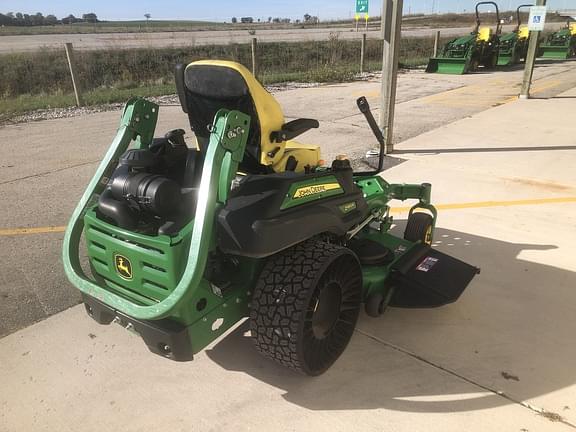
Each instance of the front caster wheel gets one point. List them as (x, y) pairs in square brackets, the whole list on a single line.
[(419, 228), (306, 304)]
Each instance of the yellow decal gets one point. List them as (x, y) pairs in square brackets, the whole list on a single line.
[(123, 266), (316, 189)]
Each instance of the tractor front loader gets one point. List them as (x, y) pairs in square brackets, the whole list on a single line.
[(467, 53), (186, 241), (560, 45)]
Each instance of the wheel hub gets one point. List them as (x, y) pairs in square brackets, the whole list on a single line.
[(327, 309)]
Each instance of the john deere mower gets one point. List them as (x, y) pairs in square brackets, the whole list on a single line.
[(183, 242), (465, 54), (514, 46), (560, 45)]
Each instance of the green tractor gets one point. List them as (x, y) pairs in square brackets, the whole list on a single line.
[(513, 46), (560, 45), (465, 54), (185, 242)]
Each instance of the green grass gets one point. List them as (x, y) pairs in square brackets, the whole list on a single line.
[(41, 79), (27, 102)]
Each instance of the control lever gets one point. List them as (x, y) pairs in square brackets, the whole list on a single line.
[(365, 109)]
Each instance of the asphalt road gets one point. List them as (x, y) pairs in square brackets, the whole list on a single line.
[(98, 41)]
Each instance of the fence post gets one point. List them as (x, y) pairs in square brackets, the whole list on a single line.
[(254, 62), (362, 52), (436, 43), (71, 65)]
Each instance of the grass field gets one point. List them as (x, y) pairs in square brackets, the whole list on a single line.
[(41, 80)]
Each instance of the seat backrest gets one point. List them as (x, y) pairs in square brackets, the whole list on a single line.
[(523, 32), (484, 34), (206, 86)]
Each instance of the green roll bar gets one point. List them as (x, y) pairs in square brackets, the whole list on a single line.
[(228, 138)]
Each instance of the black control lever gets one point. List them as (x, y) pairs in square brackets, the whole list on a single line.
[(365, 109)]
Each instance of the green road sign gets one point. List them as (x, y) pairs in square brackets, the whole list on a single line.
[(361, 6)]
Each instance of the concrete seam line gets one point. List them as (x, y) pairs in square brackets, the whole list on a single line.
[(49, 172), (456, 206), (539, 411)]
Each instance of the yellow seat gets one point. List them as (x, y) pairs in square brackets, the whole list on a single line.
[(206, 86), (573, 28), (484, 34), (523, 32)]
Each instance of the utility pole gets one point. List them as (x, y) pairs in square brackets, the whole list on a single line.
[(391, 27), (530, 59)]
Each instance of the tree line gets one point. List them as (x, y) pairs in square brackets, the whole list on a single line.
[(20, 19)]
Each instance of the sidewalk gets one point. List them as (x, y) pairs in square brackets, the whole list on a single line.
[(505, 183)]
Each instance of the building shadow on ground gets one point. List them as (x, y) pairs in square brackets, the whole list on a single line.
[(510, 332)]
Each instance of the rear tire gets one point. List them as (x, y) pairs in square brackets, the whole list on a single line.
[(306, 304), (419, 228)]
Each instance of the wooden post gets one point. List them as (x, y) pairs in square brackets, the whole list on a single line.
[(436, 43), (530, 59), (362, 52), (71, 65), (254, 63)]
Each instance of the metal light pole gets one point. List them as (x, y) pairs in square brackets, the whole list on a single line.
[(530, 59), (391, 27)]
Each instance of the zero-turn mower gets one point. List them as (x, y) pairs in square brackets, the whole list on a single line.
[(560, 45), (185, 242), (513, 46), (465, 54)]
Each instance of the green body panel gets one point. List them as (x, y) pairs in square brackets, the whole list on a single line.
[(455, 56), (463, 55), (512, 49), (157, 262), (378, 193), (559, 46), (450, 66), (311, 190), (229, 136)]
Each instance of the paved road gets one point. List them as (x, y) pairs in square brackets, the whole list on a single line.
[(500, 359), (179, 39)]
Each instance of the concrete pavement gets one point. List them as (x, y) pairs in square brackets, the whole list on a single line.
[(46, 165), (500, 359)]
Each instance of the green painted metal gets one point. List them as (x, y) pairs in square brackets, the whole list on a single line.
[(560, 45), (455, 57), (170, 275), (466, 53), (157, 262), (512, 49), (229, 135), (311, 190)]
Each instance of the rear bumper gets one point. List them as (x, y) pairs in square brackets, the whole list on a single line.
[(163, 337)]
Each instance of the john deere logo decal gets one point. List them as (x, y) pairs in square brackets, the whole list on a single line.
[(313, 190), (123, 266)]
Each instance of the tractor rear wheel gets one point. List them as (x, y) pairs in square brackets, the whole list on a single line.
[(306, 304), (419, 228)]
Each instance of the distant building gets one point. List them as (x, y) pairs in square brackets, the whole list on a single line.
[(246, 20)]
